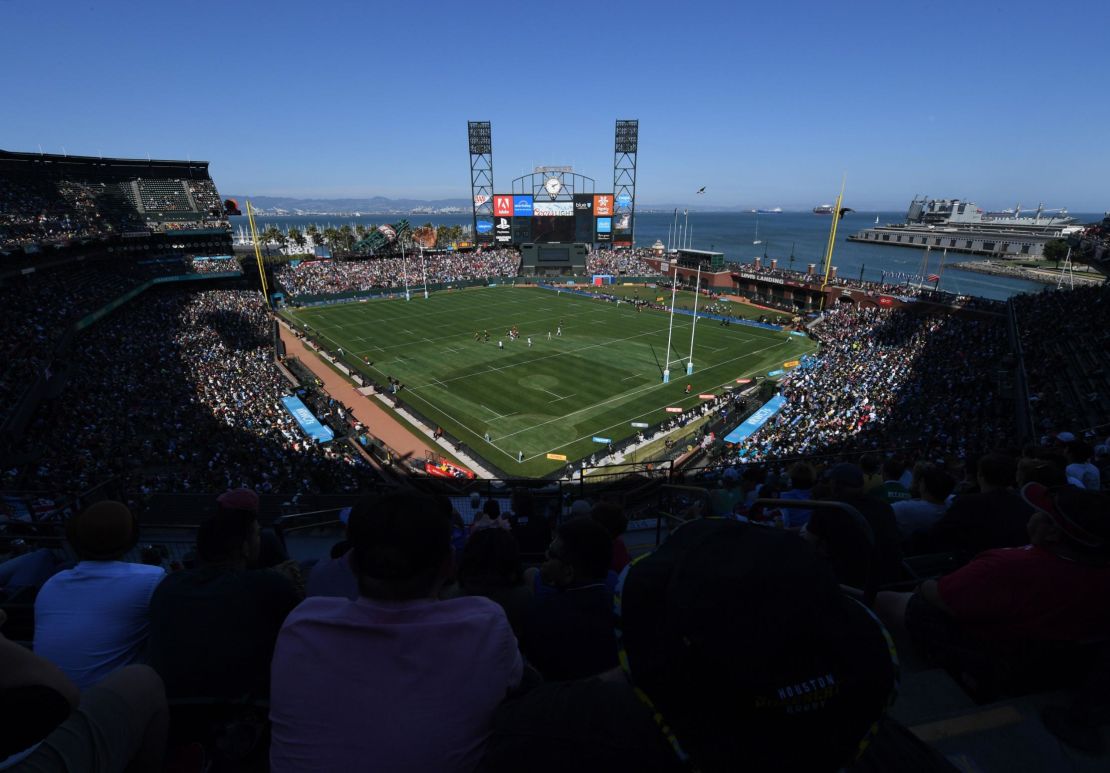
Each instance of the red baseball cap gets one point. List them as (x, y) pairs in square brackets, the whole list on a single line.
[(238, 499), (1084, 516)]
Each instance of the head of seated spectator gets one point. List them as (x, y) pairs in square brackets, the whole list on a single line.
[(531, 530), (871, 465), (844, 541), (401, 555), (232, 536), (580, 554), (104, 531), (491, 558), (802, 477), (226, 602), (1044, 471), (1070, 521), (490, 566), (489, 517), (995, 472), (892, 488), (1078, 454), (612, 518), (919, 515)]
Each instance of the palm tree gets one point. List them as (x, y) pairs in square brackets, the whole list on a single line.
[(297, 238), (346, 237)]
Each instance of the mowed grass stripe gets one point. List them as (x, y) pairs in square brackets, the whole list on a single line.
[(556, 395)]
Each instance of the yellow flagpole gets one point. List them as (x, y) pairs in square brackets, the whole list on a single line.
[(258, 254), (832, 239)]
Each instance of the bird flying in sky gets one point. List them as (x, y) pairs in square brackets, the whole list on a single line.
[(701, 189)]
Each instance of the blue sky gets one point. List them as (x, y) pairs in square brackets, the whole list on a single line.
[(766, 104)]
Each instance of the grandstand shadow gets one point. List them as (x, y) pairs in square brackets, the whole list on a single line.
[(955, 400), (233, 333), (167, 401)]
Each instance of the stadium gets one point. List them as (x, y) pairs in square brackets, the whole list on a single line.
[(565, 452)]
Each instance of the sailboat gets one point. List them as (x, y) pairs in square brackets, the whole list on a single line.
[(876, 219), (757, 239)]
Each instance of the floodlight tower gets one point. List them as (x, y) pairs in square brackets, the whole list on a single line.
[(625, 148), (481, 174)]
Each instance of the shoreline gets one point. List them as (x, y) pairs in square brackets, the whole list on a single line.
[(1041, 276)]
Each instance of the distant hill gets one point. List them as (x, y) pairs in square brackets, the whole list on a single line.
[(372, 205)]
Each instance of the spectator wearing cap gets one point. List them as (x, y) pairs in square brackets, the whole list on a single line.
[(94, 618), (738, 652), (993, 517), (857, 559), (915, 516), (1080, 467), (568, 634), (724, 500), (397, 678), (225, 605), (1056, 589)]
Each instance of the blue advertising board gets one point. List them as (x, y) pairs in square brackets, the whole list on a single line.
[(308, 423), (522, 206), (623, 199), (755, 422), (484, 226), (604, 225)]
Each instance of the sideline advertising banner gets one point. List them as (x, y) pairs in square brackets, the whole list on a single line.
[(755, 422), (308, 423)]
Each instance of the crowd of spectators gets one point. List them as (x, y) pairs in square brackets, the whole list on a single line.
[(1065, 338), (322, 277), (213, 265), (38, 210), (39, 308), (191, 404), (629, 262), (885, 379), (516, 668)]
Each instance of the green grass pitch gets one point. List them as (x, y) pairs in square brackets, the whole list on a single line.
[(554, 397)]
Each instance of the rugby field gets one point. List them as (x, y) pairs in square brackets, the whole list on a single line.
[(555, 397)]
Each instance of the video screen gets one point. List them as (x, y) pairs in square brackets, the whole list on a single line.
[(552, 229)]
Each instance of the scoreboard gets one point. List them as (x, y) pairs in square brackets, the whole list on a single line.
[(528, 219)]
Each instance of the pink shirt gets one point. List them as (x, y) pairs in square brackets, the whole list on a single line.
[(389, 686)]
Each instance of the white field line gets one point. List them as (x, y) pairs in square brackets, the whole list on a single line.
[(556, 354), (638, 391), (624, 422)]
